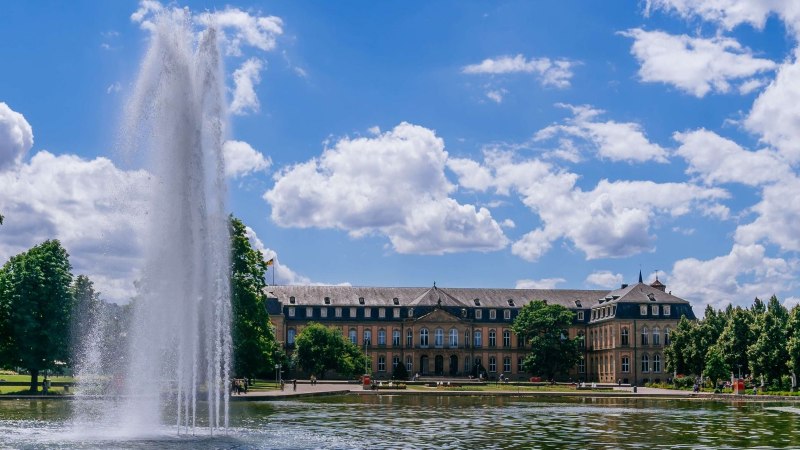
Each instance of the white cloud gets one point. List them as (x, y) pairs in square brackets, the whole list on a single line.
[(508, 223), (496, 95), (719, 160), (245, 78), (556, 73), (778, 216), (113, 87), (605, 279), (471, 174), (242, 159), (730, 13), (695, 65), (240, 27), (791, 302), (544, 283), (283, 274), (612, 140), (392, 184), (16, 137), (92, 207)]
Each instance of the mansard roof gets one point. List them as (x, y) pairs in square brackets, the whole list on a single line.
[(642, 293)]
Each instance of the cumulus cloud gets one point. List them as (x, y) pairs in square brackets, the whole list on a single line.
[(16, 137), (544, 283), (392, 184), (245, 79), (605, 279), (240, 27), (496, 95), (611, 140), (778, 217), (695, 65), (730, 13), (556, 73), (242, 159), (719, 160)]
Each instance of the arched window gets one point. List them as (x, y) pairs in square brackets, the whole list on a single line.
[(656, 363), (395, 338), (381, 363), (423, 337), (666, 336), (438, 337), (381, 337), (492, 364), (410, 338), (290, 336), (506, 339), (395, 362), (466, 339), (409, 364), (623, 335), (453, 338), (492, 338), (645, 333), (353, 336), (478, 338), (506, 364), (645, 363), (656, 336), (367, 337), (581, 339)]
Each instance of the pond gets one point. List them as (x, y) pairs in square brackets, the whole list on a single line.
[(386, 421)]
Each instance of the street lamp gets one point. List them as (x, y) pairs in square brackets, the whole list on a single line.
[(740, 371), (278, 373)]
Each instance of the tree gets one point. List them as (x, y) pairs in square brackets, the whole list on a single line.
[(254, 345), (793, 344), (320, 349), (715, 366), (736, 337), (85, 312), (768, 354), (680, 353), (36, 305), (544, 327), (400, 372)]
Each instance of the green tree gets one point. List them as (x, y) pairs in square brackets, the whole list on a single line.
[(85, 312), (793, 344), (254, 345), (544, 327), (320, 349), (736, 337), (400, 372), (715, 366), (680, 354), (36, 306), (768, 354)]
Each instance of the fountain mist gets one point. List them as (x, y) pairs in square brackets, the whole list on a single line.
[(179, 349)]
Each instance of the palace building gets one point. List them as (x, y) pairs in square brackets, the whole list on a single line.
[(452, 331)]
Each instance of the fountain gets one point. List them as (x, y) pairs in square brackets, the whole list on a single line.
[(178, 346)]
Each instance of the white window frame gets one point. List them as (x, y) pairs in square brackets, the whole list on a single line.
[(666, 310), (643, 310), (290, 311), (396, 313), (323, 312), (478, 314), (654, 309), (507, 314), (309, 311), (338, 311), (580, 316), (382, 313), (492, 314)]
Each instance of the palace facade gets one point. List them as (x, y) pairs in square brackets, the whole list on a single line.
[(451, 331)]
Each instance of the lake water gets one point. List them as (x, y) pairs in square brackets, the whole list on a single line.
[(458, 422)]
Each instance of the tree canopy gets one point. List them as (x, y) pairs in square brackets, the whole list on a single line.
[(320, 349), (544, 327)]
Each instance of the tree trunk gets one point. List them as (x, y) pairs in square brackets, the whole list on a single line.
[(34, 380)]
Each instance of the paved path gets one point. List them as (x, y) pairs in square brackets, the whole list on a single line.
[(303, 389)]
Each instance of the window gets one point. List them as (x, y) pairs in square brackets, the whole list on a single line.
[(511, 302), (626, 364), (581, 366), (453, 338), (478, 338), (309, 311), (409, 364), (353, 336), (666, 336), (492, 338), (291, 311), (520, 342), (467, 365), (507, 364), (580, 316), (361, 300), (656, 363), (645, 333), (643, 310), (323, 312), (581, 340), (382, 312), (624, 337), (466, 338), (367, 337), (381, 363), (423, 337), (438, 338), (381, 337), (409, 338), (327, 300), (410, 312), (367, 312), (645, 363), (492, 314), (290, 336), (656, 336), (396, 313), (654, 308), (395, 362), (506, 338), (292, 300), (338, 312), (492, 364), (478, 314), (507, 314), (395, 301), (519, 365), (477, 302), (666, 310), (352, 313), (396, 338)]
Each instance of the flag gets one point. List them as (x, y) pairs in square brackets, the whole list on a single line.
[(270, 262)]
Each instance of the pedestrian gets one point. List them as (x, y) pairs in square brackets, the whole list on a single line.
[(246, 382), (282, 383), (294, 384)]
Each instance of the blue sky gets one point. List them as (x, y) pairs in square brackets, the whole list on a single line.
[(558, 144)]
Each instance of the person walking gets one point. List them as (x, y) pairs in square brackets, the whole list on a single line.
[(294, 384)]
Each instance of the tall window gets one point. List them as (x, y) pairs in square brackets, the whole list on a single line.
[(654, 308), (643, 310), (396, 338), (381, 363), (666, 336), (645, 333), (353, 336), (656, 363), (478, 314), (338, 312), (519, 364), (381, 312), (423, 337), (507, 314), (506, 338), (409, 338), (309, 311), (367, 337), (453, 338), (581, 366), (478, 338), (645, 363), (626, 364), (506, 364), (492, 364), (656, 336), (666, 310), (290, 336), (492, 338), (624, 336), (467, 365), (409, 364), (492, 314), (466, 339), (381, 337), (395, 361), (520, 342), (290, 311), (439, 338)]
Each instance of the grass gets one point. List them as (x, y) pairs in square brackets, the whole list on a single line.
[(491, 387), (22, 390)]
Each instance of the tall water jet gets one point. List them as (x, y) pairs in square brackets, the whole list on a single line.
[(179, 348)]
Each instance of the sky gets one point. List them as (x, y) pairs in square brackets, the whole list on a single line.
[(559, 144)]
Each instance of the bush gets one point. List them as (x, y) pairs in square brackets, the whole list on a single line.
[(400, 372), (683, 382)]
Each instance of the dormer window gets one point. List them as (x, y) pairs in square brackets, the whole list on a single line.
[(511, 302), (477, 302), (651, 297), (327, 300), (291, 300), (396, 301), (360, 300), (578, 303)]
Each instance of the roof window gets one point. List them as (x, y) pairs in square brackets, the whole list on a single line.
[(327, 300), (360, 300), (396, 301), (477, 302), (511, 302), (291, 300)]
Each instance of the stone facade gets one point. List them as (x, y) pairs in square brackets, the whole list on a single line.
[(450, 332)]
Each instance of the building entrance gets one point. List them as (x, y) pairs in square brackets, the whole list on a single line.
[(453, 365), (439, 365)]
